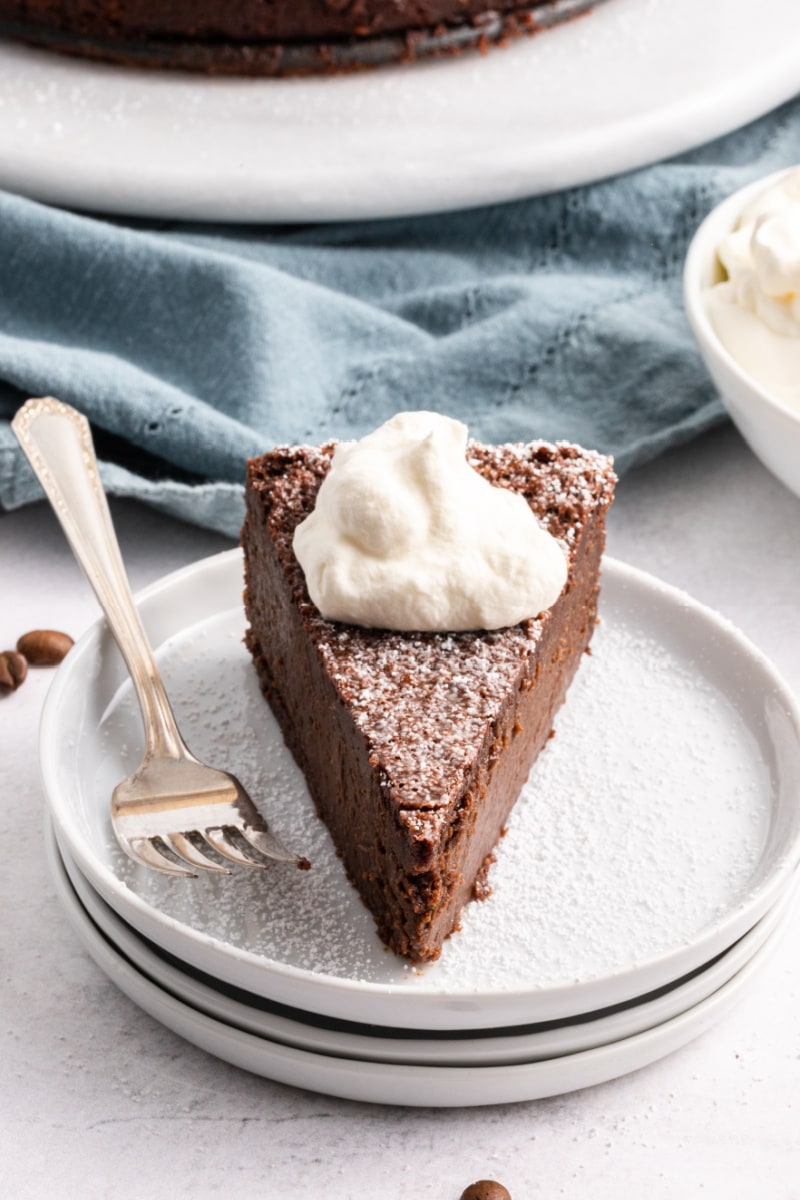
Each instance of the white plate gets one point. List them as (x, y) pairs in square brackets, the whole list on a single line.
[(657, 827), (410, 1084), (632, 82), (373, 1044)]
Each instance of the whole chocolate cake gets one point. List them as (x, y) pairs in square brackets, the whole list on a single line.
[(269, 37), (415, 746)]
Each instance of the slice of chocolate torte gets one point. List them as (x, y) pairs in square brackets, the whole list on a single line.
[(415, 746)]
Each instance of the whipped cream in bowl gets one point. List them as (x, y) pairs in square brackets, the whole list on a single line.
[(406, 535), (755, 308), (742, 298)]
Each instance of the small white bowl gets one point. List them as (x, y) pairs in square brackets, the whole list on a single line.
[(769, 425)]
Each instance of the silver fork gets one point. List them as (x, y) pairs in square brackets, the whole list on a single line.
[(174, 809)]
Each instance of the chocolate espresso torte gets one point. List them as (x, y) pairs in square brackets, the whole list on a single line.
[(415, 746), (273, 37)]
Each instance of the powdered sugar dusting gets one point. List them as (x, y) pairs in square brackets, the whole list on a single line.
[(429, 742), (643, 822)]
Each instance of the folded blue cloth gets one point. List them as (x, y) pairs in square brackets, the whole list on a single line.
[(193, 347)]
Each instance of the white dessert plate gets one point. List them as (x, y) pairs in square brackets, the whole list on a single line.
[(409, 1084), (374, 1044), (659, 825), (630, 83)]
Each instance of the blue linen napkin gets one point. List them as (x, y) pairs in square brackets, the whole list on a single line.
[(193, 347)]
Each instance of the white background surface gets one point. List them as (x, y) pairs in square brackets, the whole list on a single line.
[(97, 1100), (631, 82)]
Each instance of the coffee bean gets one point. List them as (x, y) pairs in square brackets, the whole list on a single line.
[(13, 669), (44, 647), (486, 1189)]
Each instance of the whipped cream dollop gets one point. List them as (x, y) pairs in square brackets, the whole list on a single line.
[(756, 310), (405, 535)]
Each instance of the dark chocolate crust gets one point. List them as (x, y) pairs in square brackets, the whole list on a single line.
[(274, 37), (415, 746)]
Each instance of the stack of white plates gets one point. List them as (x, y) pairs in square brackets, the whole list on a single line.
[(648, 869)]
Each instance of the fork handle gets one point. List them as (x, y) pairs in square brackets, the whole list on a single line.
[(58, 443)]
